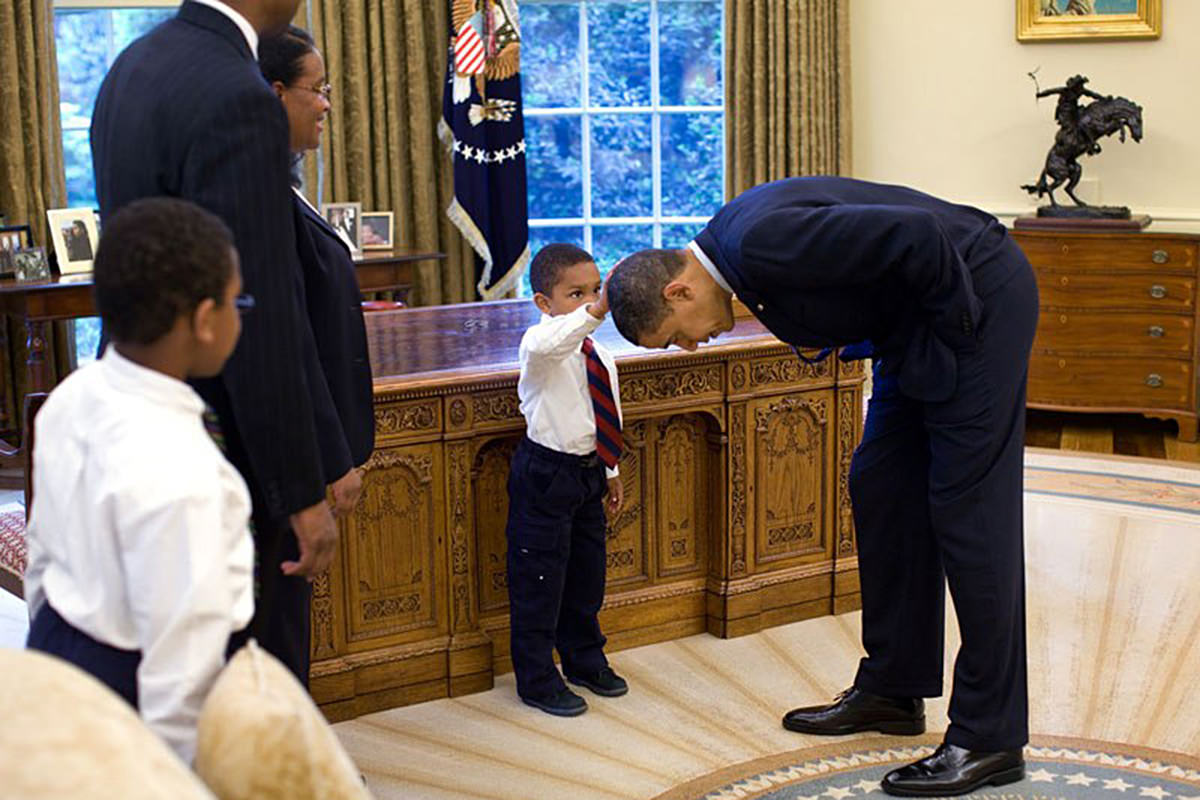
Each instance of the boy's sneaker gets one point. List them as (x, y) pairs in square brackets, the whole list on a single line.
[(605, 683), (563, 704)]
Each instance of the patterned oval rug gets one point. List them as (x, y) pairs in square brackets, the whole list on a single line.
[(1056, 769)]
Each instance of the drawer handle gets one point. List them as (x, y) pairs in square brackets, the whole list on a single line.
[(1156, 331), (1160, 257), (1154, 380), (1158, 291)]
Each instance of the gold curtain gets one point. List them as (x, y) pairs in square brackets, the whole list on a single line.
[(386, 61), (787, 90), (31, 167)]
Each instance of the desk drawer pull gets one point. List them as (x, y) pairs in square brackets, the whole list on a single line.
[(1160, 257), (1154, 380), (1156, 331), (1158, 291)]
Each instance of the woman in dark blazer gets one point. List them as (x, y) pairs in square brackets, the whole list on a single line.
[(292, 65)]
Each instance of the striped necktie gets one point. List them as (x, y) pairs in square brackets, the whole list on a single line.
[(608, 422)]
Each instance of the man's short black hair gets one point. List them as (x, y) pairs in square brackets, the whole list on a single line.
[(158, 259), (549, 263), (635, 290)]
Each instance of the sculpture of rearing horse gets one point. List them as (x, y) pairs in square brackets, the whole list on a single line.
[(1079, 133)]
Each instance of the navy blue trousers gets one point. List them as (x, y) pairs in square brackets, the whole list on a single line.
[(937, 497), (556, 566)]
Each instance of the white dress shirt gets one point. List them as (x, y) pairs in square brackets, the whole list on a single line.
[(243, 24), (709, 266), (554, 388), (138, 534)]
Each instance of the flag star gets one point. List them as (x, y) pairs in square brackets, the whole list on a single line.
[(838, 794), (521, 146), (1155, 791), (481, 156), (1117, 784), (1042, 776), (1079, 779), (867, 786), (468, 152)]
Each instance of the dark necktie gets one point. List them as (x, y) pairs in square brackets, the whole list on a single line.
[(608, 422)]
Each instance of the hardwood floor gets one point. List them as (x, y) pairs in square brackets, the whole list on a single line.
[(1113, 434)]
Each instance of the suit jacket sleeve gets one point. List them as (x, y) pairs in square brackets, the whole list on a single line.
[(846, 246), (238, 169)]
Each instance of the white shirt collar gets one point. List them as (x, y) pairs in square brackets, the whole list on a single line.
[(709, 266), (146, 382), (243, 24)]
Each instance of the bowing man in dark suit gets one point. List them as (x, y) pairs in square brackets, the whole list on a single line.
[(292, 64), (947, 305), (184, 112)]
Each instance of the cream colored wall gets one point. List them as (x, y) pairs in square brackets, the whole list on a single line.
[(942, 102)]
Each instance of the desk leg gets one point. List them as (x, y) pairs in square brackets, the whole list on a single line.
[(35, 360), (4, 360)]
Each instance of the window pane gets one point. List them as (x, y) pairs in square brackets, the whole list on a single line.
[(82, 41), (622, 183), (619, 54), (77, 164), (539, 238), (550, 55), (677, 236), (87, 339), (611, 243), (130, 23), (555, 166), (689, 52), (692, 165)]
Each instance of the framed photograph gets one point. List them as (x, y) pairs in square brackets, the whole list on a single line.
[(1088, 20), (75, 236), (12, 239), (30, 264), (377, 230), (346, 219)]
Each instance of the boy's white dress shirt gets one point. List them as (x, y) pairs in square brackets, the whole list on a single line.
[(554, 388), (138, 534)]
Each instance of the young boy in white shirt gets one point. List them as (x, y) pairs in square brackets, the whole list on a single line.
[(140, 555), (560, 473)]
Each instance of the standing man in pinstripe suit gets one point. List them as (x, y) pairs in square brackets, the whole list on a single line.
[(185, 112)]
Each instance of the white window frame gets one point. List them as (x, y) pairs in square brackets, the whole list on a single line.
[(655, 110)]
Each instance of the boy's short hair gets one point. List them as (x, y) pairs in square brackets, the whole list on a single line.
[(159, 258), (549, 263)]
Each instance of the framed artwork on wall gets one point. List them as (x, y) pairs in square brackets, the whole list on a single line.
[(1088, 20)]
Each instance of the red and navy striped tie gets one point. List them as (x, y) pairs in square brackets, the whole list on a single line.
[(608, 422)]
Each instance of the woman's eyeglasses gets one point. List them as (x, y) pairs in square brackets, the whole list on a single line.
[(324, 89)]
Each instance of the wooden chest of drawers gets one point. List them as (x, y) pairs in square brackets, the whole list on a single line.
[(1117, 330)]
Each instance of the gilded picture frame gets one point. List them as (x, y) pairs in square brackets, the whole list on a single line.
[(1088, 20)]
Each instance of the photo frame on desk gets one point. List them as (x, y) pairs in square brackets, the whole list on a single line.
[(346, 219), (12, 239), (30, 264), (377, 230), (1088, 20), (75, 236)]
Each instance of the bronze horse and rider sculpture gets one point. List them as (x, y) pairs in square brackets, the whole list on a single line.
[(1079, 132)]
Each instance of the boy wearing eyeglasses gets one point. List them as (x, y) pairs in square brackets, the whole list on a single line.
[(140, 554)]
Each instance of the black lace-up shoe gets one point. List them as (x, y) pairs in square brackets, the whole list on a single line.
[(563, 704), (953, 770), (605, 683), (855, 710)]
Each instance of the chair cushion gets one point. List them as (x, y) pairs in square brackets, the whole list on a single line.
[(261, 735), (65, 734)]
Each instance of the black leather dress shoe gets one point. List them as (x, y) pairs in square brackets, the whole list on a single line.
[(955, 770), (855, 710), (563, 704), (605, 683)]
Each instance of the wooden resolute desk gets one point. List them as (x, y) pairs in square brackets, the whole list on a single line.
[(736, 518)]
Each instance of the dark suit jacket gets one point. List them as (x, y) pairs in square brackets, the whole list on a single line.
[(184, 112), (828, 262), (335, 314)]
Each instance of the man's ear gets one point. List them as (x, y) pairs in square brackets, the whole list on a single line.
[(542, 302), (279, 88), (677, 292), (204, 321)]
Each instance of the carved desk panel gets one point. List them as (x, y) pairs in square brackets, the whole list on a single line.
[(736, 517)]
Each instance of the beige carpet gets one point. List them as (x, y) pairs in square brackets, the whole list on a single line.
[(1113, 551)]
